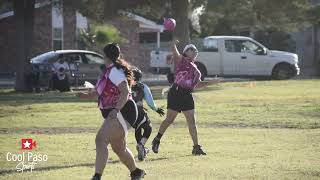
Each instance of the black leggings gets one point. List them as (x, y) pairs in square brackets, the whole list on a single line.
[(147, 129)]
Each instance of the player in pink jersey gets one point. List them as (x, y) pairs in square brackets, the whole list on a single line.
[(180, 99), (118, 109)]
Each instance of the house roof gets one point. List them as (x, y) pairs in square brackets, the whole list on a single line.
[(143, 22), (36, 5)]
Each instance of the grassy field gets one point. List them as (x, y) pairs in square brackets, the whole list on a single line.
[(250, 130)]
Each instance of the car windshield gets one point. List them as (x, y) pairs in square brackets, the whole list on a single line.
[(44, 58)]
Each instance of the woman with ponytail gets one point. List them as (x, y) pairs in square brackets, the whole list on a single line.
[(118, 110)]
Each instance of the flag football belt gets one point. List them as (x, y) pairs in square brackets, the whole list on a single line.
[(180, 89)]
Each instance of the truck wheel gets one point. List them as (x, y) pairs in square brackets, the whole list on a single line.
[(170, 77), (281, 72), (203, 71)]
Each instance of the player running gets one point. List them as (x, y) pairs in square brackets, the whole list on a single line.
[(143, 128)]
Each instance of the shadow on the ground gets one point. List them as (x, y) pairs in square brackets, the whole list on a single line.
[(77, 130), (43, 97), (210, 88), (16, 99), (50, 168)]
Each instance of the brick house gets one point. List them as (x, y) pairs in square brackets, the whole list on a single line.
[(56, 27)]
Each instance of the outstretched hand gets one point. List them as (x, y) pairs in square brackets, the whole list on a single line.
[(160, 111), (175, 42), (91, 94), (204, 84), (82, 95)]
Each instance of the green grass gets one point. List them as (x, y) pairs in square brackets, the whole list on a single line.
[(250, 130), (291, 104), (232, 154)]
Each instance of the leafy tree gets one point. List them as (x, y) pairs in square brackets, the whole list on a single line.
[(275, 39), (180, 10), (98, 35), (313, 16), (225, 16)]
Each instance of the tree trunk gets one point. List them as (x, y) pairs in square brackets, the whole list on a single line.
[(29, 22), (23, 17), (180, 9), (18, 7), (316, 43), (110, 9)]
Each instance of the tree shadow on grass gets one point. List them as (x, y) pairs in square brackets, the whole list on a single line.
[(210, 88), (313, 174), (91, 165), (17, 99), (50, 168)]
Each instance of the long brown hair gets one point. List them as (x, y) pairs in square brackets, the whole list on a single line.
[(112, 51)]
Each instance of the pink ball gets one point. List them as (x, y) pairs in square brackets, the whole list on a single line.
[(169, 24)]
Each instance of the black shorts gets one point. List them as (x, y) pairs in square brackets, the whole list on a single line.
[(180, 99), (129, 112)]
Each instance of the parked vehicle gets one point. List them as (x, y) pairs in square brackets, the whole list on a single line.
[(234, 56), (83, 65)]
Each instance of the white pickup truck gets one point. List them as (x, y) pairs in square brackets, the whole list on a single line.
[(234, 56)]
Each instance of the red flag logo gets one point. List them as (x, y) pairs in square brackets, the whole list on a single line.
[(27, 144)]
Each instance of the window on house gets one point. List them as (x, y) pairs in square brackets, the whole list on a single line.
[(80, 43), (57, 38), (57, 25), (57, 3)]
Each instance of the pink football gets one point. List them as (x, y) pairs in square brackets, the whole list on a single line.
[(169, 24)]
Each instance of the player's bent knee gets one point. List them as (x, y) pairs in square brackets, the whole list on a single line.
[(118, 149), (148, 127), (99, 139), (169, 120), (192, 124)]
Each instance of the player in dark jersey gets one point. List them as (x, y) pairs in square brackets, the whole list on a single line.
[(143, 128)]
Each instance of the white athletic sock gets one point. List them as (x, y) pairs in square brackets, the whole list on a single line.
[(143, 140)]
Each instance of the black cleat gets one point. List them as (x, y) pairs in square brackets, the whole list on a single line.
[(197, 151), (96, 177), (155, 145), (137, 174), (141, 152)]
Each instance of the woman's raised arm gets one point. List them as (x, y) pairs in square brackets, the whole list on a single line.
[(176, 54)]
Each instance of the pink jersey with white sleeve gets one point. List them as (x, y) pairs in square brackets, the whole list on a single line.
[(108, 92)]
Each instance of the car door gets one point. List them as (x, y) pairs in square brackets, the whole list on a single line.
[(92, 66), (233, 58), (210, 56), (256, 62), (240, 57), (75, 62)]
